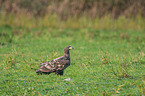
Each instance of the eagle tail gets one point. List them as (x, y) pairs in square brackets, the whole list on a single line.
[(41, 72)]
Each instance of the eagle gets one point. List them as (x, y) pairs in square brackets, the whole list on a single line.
[(56, 65)]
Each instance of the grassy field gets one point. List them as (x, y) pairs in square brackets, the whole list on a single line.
[(103, 62)]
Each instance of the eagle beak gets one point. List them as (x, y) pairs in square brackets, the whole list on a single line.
[(71, 48)]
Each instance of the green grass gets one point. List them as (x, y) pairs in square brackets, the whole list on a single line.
[(23, 20), (103, 62)]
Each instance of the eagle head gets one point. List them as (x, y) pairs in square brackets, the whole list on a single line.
[(66, 49)]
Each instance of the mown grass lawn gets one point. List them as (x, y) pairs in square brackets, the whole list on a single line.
[(103, 62)]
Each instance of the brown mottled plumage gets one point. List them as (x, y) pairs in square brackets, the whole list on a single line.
[(56, 65)]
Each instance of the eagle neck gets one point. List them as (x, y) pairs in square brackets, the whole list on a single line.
[(66, 53)]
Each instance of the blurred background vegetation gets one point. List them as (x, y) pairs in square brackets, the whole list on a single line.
[(96, 14)]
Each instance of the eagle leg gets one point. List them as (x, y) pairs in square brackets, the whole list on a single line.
[(59, 72)]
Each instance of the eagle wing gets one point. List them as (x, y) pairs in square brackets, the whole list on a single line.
[(59, 63)]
